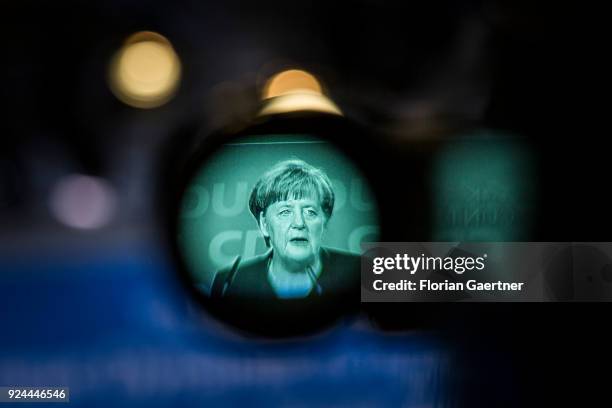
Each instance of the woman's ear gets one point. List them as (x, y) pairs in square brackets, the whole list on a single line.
[(263, 225)]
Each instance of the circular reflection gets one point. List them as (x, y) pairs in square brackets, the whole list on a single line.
[(295, 90), (83, 202), (261, 235), (292, 81), (145, 72)]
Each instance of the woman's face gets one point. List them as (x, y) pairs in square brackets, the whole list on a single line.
[(295, 228)]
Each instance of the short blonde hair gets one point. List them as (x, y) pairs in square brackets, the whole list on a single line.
[(292, 179)]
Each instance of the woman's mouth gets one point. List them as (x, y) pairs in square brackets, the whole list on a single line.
[(299, 241)]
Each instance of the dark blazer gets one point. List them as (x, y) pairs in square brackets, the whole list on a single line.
[(249, 278)]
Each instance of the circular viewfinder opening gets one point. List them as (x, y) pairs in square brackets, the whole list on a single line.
[(269, 230)]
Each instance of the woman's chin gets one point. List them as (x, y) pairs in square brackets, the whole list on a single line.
[(302, 257)]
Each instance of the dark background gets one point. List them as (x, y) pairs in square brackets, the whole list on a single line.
[(97, 310)]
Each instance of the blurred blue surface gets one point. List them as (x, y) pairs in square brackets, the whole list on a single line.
[(108, 319)]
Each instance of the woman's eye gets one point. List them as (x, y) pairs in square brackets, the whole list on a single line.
[(284, 213), (311, 213)]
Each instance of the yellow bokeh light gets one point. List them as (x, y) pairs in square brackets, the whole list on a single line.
[(146, 71), (296, 90), (292, 81), (300, 102)]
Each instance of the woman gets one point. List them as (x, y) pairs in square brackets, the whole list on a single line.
[(292, 204)]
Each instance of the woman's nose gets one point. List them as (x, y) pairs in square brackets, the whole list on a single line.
[(298, 220)]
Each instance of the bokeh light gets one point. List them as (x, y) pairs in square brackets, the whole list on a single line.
[(292, 81), (296, 90), (145, 72), (83, 202)]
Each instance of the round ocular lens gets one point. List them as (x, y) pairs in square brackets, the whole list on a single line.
[(269, 229)]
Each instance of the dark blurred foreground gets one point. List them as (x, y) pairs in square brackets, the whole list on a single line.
[(94, 303)]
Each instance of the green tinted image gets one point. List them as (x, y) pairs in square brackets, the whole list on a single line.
[(483, 189), (279, 216)]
